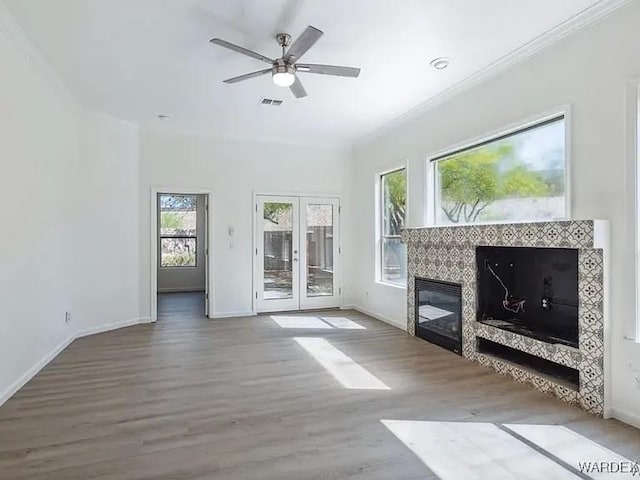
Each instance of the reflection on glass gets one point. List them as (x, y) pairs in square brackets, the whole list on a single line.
[(278, 255), (319, 250), (394, 261), (394, 203)]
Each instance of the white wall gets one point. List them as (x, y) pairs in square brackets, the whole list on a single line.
[(106, 224), (187, 279), (232, 170), (68, 191), (590, 71), (38, 147)]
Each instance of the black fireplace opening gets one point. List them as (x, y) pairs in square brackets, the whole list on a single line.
[(530, 291), (438, 316)]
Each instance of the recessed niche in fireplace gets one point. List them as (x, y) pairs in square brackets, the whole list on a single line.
[(438, 307), (570, 377), (530, 291)]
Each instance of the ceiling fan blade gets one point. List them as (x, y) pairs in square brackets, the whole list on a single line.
[(247, 76), (242, 50), (303, 43), (328, 70), (297, 89)]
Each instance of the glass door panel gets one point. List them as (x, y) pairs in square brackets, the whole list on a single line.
[(319, 238), (278, 250), (319, 252), (297, 253), (278, 253)]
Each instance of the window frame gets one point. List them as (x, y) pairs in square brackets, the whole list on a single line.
[(432, 181), (380, 236), (176, 237)]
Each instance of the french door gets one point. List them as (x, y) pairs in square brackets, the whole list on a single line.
[(297, 253)]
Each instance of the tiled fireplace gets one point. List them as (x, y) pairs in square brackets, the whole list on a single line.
[(572, 371)]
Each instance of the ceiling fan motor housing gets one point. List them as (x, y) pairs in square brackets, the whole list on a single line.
[(281, 67), (283, 39)]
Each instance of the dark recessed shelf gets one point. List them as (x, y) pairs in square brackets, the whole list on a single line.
[(526, 331), (567, 376)]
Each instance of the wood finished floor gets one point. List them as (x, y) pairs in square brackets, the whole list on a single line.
[(190, 398)]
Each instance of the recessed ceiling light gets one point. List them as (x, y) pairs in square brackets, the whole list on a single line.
[(440, 63), (164, 117)]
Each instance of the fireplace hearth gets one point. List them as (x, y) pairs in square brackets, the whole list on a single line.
[(438, 315)]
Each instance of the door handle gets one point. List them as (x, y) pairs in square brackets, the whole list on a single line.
[(295, 259)]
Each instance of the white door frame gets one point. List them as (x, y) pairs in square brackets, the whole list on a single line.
[(256, 274), (154, 245)]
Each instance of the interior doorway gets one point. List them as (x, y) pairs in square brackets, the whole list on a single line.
[(297, 253), (180, 270)]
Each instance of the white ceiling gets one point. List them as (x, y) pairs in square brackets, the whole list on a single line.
[(134, 59)]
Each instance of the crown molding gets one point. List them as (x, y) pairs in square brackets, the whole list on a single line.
[(11, 29), (567, 28)]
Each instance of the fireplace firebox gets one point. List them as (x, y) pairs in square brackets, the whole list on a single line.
[(438, 317)]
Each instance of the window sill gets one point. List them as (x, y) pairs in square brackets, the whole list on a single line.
[(392, 285), (177, 268), (484, 224)]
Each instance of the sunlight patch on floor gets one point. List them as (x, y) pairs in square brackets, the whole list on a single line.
[(342, 367), (573, 448), (300, 322), (343, 323), (455, 450), (324, 323)]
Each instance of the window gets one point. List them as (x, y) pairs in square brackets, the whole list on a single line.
[(178, 220), (518, 176), (393, 254)]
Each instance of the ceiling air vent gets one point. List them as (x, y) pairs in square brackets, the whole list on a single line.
[(270, 101)]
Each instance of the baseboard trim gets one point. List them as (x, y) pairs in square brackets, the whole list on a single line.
[(12, 389), (375, 315), (220, 315), (107, 327), (626, 417)]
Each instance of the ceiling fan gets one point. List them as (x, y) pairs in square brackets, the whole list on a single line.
[(284, 70)]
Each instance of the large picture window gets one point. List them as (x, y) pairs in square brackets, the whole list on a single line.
[(178, 221), (393, 254), (519, 176)]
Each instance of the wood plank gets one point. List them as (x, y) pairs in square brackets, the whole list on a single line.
[(238, 398)]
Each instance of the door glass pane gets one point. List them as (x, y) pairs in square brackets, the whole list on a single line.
[(319, 250), (278, 250)]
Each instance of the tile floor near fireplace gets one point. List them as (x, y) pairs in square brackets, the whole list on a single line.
[(560, 357)]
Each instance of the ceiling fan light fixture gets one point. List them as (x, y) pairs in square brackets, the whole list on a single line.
[(283, 75), (284, 79)]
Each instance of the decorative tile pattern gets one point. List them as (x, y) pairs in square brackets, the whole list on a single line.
[(448, 254)]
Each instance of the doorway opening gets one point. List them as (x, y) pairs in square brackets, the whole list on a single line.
[(181, 263), (296, 253)]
